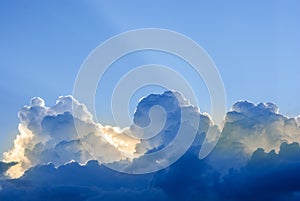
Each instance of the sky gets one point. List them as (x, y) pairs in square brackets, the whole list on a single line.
[(254, 44)]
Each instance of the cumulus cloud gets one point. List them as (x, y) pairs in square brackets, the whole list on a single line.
[(259, 126), (251, 126), (179, 117), (48, 134), (175, 106), (66, 130), (256, 158)]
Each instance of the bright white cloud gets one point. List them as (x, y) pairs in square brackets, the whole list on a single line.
[(260, 126), (47, 134), (248, 127)]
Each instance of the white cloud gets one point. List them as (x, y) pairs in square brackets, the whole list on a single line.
[(248, 127), (260, 126), (47, 134)]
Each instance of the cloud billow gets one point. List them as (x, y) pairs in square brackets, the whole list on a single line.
[(48, 134), (256, 158)]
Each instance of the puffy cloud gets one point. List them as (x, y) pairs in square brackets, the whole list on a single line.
[(66, 131), (248, 127), (174, 106), (255, 158), (179, 116), (49, 134), (259, 126)]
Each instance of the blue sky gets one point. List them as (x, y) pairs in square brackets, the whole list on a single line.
[(255, 46)]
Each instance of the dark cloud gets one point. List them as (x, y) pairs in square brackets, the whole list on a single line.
[(266, 176), (77, 182)]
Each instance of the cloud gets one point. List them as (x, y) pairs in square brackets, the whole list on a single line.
[(256, 158), (5, 166), (248, 127), (266, 176), (48, 134), (66, 130), (175, 106), (178, 116), (259, 126), (73, 181)]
